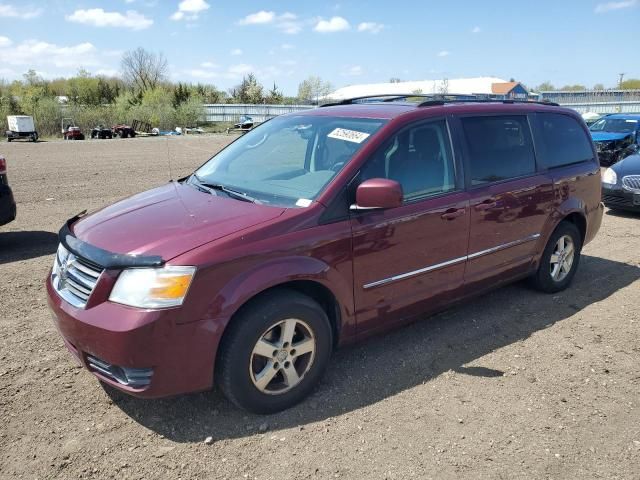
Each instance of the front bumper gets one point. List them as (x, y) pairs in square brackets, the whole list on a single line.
[(616, 197), (7, 205), (118, 344)]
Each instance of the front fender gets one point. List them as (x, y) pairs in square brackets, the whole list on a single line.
[(271, 273)]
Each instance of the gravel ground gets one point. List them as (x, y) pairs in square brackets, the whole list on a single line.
[(515, 384)]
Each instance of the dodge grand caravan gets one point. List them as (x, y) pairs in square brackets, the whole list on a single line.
[(317, 229)]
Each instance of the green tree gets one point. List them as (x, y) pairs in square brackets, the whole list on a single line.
[(598, 86), (181, 94), (274, 96), (573, 88), (545, 87), (313, 88), (249, 91), (631, 84), (190, 112)]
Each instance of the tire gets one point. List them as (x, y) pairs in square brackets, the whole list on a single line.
[(8, 139), (548, 278), (264, 322)]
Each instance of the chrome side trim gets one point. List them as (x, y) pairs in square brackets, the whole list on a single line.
[(414, 273), (454, 261), (503, 246)]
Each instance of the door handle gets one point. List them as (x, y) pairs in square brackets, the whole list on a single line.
[(487, 204), (453, 213)]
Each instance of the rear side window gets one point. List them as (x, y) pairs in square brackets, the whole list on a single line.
[(500, 148), (565, 141)]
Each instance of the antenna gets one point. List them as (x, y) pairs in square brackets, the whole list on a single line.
[(169, 159)]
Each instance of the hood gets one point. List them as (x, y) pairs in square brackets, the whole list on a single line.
[(608, 136), (628, 166), (168, 221)]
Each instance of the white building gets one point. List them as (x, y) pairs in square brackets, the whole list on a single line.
[(493, 86)]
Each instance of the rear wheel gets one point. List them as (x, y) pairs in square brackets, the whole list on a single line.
[(559, 260), (275, 352)]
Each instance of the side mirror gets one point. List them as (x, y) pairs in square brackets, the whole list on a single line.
[(378, 193)]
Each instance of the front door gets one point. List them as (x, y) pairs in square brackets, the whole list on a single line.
[(407, 260), (510, 201)]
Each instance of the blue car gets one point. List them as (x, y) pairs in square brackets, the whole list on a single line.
[(616, 136)]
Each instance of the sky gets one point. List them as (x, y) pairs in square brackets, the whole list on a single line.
[(344, 42)]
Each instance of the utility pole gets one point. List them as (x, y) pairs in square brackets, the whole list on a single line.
[(620, 82)]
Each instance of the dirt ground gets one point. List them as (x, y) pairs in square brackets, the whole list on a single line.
[(515, 384)]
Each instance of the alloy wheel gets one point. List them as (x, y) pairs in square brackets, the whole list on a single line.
[(282, 356), (562, 258)]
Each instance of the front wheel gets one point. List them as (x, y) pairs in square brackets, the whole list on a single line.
[(559, 260), (275, 352)]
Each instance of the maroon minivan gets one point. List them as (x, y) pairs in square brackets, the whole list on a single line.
[(317, 229)]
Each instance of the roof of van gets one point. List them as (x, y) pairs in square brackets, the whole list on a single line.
[(390, 110)]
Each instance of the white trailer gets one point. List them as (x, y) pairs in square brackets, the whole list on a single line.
[(21, 126)]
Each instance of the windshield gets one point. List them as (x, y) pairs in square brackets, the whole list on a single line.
[(288, 160), (614, 125)]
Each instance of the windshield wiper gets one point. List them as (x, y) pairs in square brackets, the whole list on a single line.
[(230, 192)]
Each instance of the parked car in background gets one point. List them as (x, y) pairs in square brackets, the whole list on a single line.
[(21, 127), (7, 202), (317, 229), (101, 132), (616, 136), (621, 185)]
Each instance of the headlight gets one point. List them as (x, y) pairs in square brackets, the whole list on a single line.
[(61, 256), (152, 287), (609, 177)]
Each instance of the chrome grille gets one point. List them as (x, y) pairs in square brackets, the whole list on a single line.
[(131, 377), (631, 182), (73, 277)]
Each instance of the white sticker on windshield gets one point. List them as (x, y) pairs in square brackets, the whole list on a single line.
[(349, 135), (631, 121), (303, 202)]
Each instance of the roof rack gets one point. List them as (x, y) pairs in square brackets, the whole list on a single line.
[(435, 103), (434, 99), (392, 97)]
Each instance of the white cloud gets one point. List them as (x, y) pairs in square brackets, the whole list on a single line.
[(236, 52), (335, 24), (287, 22), (289, 63), (609, 6), (205, 74), (107, 72), (190, 10), (258, 18), (97, 17), (476, 29), (240, 69), (5, 41), (354, 71), (208, 65), (287, 46), (370, 27), (35, 54), (24, 12), (444, 53)]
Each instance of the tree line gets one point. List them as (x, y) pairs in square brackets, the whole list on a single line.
[(630, 84), (142, 91)]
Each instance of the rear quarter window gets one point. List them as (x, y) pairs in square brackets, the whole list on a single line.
[(500, 148), (564, 140)]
